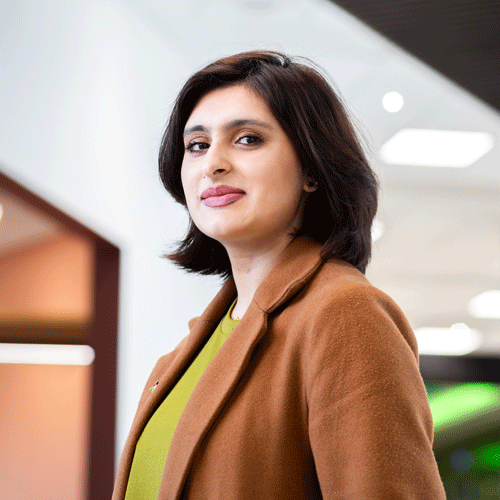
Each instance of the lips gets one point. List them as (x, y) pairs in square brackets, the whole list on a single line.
[(219, 196), (220, 191)]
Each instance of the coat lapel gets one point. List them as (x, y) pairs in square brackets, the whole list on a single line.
[(196, 339), (169, 376), (209, 397), (293, 270)]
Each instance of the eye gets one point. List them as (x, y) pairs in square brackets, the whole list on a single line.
[(249, 140), (197, 146)]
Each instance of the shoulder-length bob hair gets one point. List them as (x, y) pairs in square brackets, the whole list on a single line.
[(339, 214)]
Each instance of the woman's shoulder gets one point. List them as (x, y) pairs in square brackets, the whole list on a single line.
[(342, 302), (337, 281)]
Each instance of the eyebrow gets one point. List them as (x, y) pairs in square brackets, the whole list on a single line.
[(228, 125)]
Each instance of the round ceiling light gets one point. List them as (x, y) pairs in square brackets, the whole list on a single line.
[(392, 102)]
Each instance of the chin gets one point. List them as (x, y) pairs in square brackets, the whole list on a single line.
[(221, 230)]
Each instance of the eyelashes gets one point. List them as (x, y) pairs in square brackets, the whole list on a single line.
[(192, 147), (254, 139), (246, 140)]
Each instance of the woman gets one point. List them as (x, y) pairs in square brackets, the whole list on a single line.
[(315, 392)]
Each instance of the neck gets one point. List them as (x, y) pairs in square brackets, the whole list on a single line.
[(249, 267)]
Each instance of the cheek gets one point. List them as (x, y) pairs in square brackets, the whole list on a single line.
[(286, 184), (189, 196), (187, 184), (183, 178)]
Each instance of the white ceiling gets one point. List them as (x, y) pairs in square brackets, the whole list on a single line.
[(441, 242), (362, 64)]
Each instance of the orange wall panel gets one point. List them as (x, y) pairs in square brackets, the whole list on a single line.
[(45, 431), (51, 279)]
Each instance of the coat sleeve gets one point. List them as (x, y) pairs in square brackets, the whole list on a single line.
[(370, 425)]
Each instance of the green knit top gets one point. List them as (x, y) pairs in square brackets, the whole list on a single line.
[(152, 447)]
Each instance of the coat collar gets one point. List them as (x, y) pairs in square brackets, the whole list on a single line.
[(293, 270)]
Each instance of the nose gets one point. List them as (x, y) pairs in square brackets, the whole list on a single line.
[(216, 162)]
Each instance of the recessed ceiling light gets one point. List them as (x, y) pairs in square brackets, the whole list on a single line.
[(436, 148), (377, 230), (46, 354), (457, 340), (485, 305), (392, 102)]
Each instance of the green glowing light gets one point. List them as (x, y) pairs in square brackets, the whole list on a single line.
[(487, 456), (461, 400)]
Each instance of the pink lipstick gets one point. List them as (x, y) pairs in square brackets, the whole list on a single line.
[(220, 196)]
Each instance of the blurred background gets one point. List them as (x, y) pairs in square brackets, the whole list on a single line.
[(87, 304)]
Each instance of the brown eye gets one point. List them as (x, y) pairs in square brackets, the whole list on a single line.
[(249, 140), (195, 147)]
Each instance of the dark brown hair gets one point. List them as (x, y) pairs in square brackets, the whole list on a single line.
[(339, 214)]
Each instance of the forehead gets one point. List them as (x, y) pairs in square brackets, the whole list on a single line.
[(230, 103)]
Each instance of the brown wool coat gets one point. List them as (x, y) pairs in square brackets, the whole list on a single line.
[(315, 394)]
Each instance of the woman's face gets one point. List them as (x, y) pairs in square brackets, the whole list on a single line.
[(241, 177)]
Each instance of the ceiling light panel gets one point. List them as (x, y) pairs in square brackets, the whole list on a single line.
[(436, 148), (457, 340), (485, 305)]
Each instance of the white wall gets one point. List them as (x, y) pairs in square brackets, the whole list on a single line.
[(85, 90)]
